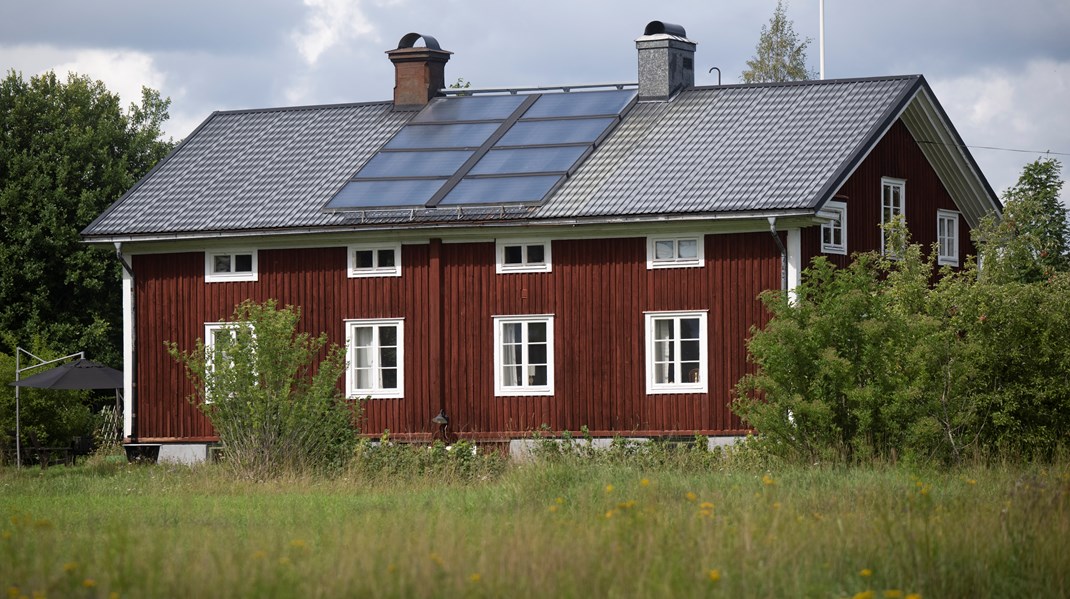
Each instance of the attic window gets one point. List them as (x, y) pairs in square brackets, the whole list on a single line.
[(375, 260), (834, 233), (230, 265), (522, 256), (682, 251)]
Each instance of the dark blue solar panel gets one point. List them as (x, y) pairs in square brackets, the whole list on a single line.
[(528, 160), (501, 190), (469, 108), (555, 132), (416, 137), (441, 163), (580, 104), (377, 194)]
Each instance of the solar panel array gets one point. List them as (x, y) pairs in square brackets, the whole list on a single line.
[(484, 150)]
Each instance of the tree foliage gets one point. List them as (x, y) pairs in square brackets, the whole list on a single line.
[(1031, 241), (275, 410), (67, 151), (780, 55)]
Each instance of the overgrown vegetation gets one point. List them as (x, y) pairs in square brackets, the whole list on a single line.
[(874, 361), (275, 409)]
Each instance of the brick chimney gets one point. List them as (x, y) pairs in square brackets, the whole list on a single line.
[(666, 61), (418, 72)]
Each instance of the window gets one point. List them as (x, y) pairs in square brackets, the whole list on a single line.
[(375, 260), (674, 252), (230, 265), (893, 194), (375, 358), (947, 237), (676, 352), (524, 355), (220, 339), (834, 233), (522, 256)]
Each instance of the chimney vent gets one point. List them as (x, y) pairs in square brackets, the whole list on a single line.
[(666, 61), (418, 72)]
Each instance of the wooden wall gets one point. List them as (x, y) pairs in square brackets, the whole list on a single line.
[(448, 295)]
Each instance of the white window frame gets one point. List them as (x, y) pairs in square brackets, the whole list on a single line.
[(210, 276), (375, 270), (700, 386), (840, 223), (951, 217), (676, 262), (499, 256), (523, 390), (209, 344), (901, 184), (378, 392)]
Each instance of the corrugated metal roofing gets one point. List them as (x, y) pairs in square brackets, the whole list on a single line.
[(722, 149)]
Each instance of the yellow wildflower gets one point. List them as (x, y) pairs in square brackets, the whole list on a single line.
[(298, 544), (436, 559), (560, 500), (776, 505), (971, 481), (864, 595), (610, 514), (111, 595), (89, 583), (474, 578), (626, 505), (284, 561), (706, 505), (391, 568), (914, 596), (768, 480), (70, 566), (893, 594), (645, 482), (865, 572), (260, 554), (41, 595), (691, 496), (553, 508), (13, 592), (6, 535), (609, 488), (714, 575)]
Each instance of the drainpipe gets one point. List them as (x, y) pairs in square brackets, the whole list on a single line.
[(783, 254), (131, 400)]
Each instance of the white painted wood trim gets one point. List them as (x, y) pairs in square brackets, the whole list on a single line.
[(128, 350), (795, 265)]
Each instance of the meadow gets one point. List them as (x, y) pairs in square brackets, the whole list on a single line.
[(570, 529)]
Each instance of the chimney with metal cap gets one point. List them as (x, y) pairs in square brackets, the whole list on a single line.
[(418, 72), (666, 61)]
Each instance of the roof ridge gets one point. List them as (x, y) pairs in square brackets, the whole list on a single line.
[(814, 82), (301, 108)]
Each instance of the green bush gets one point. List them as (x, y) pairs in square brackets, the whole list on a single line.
[(460, 461), (275, 411)]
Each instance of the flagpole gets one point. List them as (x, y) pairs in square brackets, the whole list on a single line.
[(821, 35)]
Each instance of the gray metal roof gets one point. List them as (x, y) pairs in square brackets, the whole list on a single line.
[(725, 149)]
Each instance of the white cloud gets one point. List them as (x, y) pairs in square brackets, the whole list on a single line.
[(1022, 109), (123, 72), (331, 22)]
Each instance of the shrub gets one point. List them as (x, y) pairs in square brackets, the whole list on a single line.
[(274, 409)]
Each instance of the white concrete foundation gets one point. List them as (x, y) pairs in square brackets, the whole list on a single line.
[(188, 454)]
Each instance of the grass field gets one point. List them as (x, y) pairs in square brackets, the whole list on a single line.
[(573, 530)]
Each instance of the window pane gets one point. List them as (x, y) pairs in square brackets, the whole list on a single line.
[(537, 375), (689, 351), (386, 258), (243, 263), (511, 332), (362, 357), (221, 263), (661, 373), (364, 378), (537, 353), (512, 354), (390, 378), (689, 328), (514, 254), (536, 254), (826, 235), (663, 329), (362, 336), (692, 372), (537, 332), (388, 357), (388, 335), (365, 259), (663, 351), (688, 248), (663, 250)]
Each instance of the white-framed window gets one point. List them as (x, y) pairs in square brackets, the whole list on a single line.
[(675, 251), (834, 232), (375, 358), (947, 237), (524, 355), (230, 265), (676, 352), (374, 260), (218, 338), (522, 256), (893, 204)]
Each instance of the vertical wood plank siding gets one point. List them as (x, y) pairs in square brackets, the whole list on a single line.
[(898, 156), (598, 292)]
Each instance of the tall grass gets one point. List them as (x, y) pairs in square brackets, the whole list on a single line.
[(568, 528)]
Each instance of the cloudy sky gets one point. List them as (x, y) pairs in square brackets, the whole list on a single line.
[(1001, 69)]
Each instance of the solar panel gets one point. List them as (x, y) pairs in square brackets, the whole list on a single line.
[(469, 108), (528, 160), (580, 104), (428, 137), (442, 163), (528, 133), (501, 190), (356, 195)]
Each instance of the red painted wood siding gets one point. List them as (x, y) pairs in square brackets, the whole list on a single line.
[(598, 292), (897, 156)]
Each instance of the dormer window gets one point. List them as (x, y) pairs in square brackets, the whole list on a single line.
[(522, 256), (678, 251), (375, 260), (230, 265)]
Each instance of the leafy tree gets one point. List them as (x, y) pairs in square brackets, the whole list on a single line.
[(779, 56), (1031, 241), (275, 410), (67, 151)]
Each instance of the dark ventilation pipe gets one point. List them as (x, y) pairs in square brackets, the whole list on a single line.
[(658, 27), (133, 344), (783, 254)]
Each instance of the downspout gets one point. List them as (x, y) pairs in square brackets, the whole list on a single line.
[(783, 254), (131, 400)]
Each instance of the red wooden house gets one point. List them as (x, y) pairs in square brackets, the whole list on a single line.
[(584, 256)]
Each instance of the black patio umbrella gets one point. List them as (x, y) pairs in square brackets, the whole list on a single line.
[(80, 374)]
